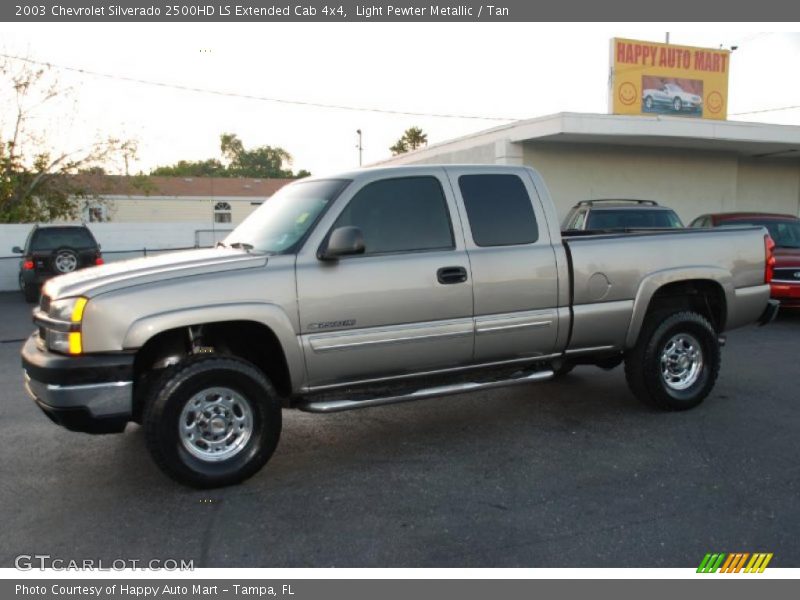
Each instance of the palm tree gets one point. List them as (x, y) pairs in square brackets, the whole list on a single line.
[(400, 147), (412, 139), (415, 138)]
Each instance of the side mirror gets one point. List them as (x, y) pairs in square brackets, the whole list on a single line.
[(16, 250), (343, 241)]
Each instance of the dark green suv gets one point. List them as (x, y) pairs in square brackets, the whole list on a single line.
[(54, 250)]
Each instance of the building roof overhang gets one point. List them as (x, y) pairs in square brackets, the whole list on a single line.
[(741, 138)]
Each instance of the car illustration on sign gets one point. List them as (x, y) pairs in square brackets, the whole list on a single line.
[(670, 97)]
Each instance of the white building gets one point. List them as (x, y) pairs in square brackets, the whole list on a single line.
[(695, 166), (217, 202)]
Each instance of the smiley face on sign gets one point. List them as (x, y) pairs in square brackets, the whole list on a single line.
[(627, 93), (714, 102)]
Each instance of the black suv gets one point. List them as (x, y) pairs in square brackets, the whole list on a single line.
[(613, 214), (54, 250)]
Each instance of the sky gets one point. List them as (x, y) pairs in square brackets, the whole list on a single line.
[(498, 70)]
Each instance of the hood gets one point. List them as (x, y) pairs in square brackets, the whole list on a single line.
[(787, 257), (138, 271)]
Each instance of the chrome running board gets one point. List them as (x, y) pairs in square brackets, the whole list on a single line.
[(331, 405)]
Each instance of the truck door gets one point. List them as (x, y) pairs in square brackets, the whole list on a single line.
[(403, 306), (514, 274)]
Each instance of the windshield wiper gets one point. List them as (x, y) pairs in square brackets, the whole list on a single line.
[(221, 245)]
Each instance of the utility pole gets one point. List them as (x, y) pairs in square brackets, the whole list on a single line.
[(360, 147), (667, 39)]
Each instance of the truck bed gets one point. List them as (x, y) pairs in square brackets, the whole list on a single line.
[(613, 276)]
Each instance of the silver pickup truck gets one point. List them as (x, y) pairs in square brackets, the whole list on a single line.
[(375, 287)]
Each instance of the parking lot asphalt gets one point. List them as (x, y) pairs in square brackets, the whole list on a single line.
[(573, 473)]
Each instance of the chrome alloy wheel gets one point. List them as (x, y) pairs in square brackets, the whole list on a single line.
[(681, 361), (216, 424)]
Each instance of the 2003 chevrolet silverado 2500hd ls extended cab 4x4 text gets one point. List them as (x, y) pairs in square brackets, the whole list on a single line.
[(374, 287)]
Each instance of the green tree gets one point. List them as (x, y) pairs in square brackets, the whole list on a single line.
[(237, 161), (415, 138), (187, 168), (412, 138), (38, 182), (400, 147)]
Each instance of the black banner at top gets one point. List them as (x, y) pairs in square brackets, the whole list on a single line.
[(243, 11)]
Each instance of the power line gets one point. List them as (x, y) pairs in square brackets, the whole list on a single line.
[(187, 88), (765, 110)]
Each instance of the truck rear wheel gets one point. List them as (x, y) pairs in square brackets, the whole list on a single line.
[(212, 421), (675, 362)]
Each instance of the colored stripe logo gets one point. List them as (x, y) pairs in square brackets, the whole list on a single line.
[(738, 562)]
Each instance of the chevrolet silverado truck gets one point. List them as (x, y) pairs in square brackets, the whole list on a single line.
[(375, 287)]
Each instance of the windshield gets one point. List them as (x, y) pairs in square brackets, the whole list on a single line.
[(785, 234), (631, 218), (283, 221)]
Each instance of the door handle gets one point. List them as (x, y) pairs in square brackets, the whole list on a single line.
[(447, 275)]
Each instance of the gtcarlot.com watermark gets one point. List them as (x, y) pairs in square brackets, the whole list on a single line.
[(44, 562)]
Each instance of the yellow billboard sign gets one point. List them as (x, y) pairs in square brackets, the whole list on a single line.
[(648, 78)]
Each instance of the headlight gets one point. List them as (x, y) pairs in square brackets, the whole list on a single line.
[(69, 309), (70, 312)]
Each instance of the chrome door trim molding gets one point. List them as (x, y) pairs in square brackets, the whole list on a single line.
[(534, 325), (388, 335), (530, 319), (319, 345)]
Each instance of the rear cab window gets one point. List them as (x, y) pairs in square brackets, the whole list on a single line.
[(499, 210), (405, 214)]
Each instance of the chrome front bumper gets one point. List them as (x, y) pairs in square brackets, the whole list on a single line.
[(99, 399), (90, 408), (93, 394)]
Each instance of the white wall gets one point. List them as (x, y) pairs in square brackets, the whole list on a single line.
[(690, 182), (118, 241), (769, 185), (163, 209)]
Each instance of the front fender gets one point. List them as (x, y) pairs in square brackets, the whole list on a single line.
[(270, 315)]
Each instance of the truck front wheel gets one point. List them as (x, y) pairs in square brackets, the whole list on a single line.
[(212, 421), (675, 362)]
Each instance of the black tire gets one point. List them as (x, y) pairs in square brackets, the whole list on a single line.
[(648, 103), (168, 397), (643, 363), (677, 104), (30, 292)]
